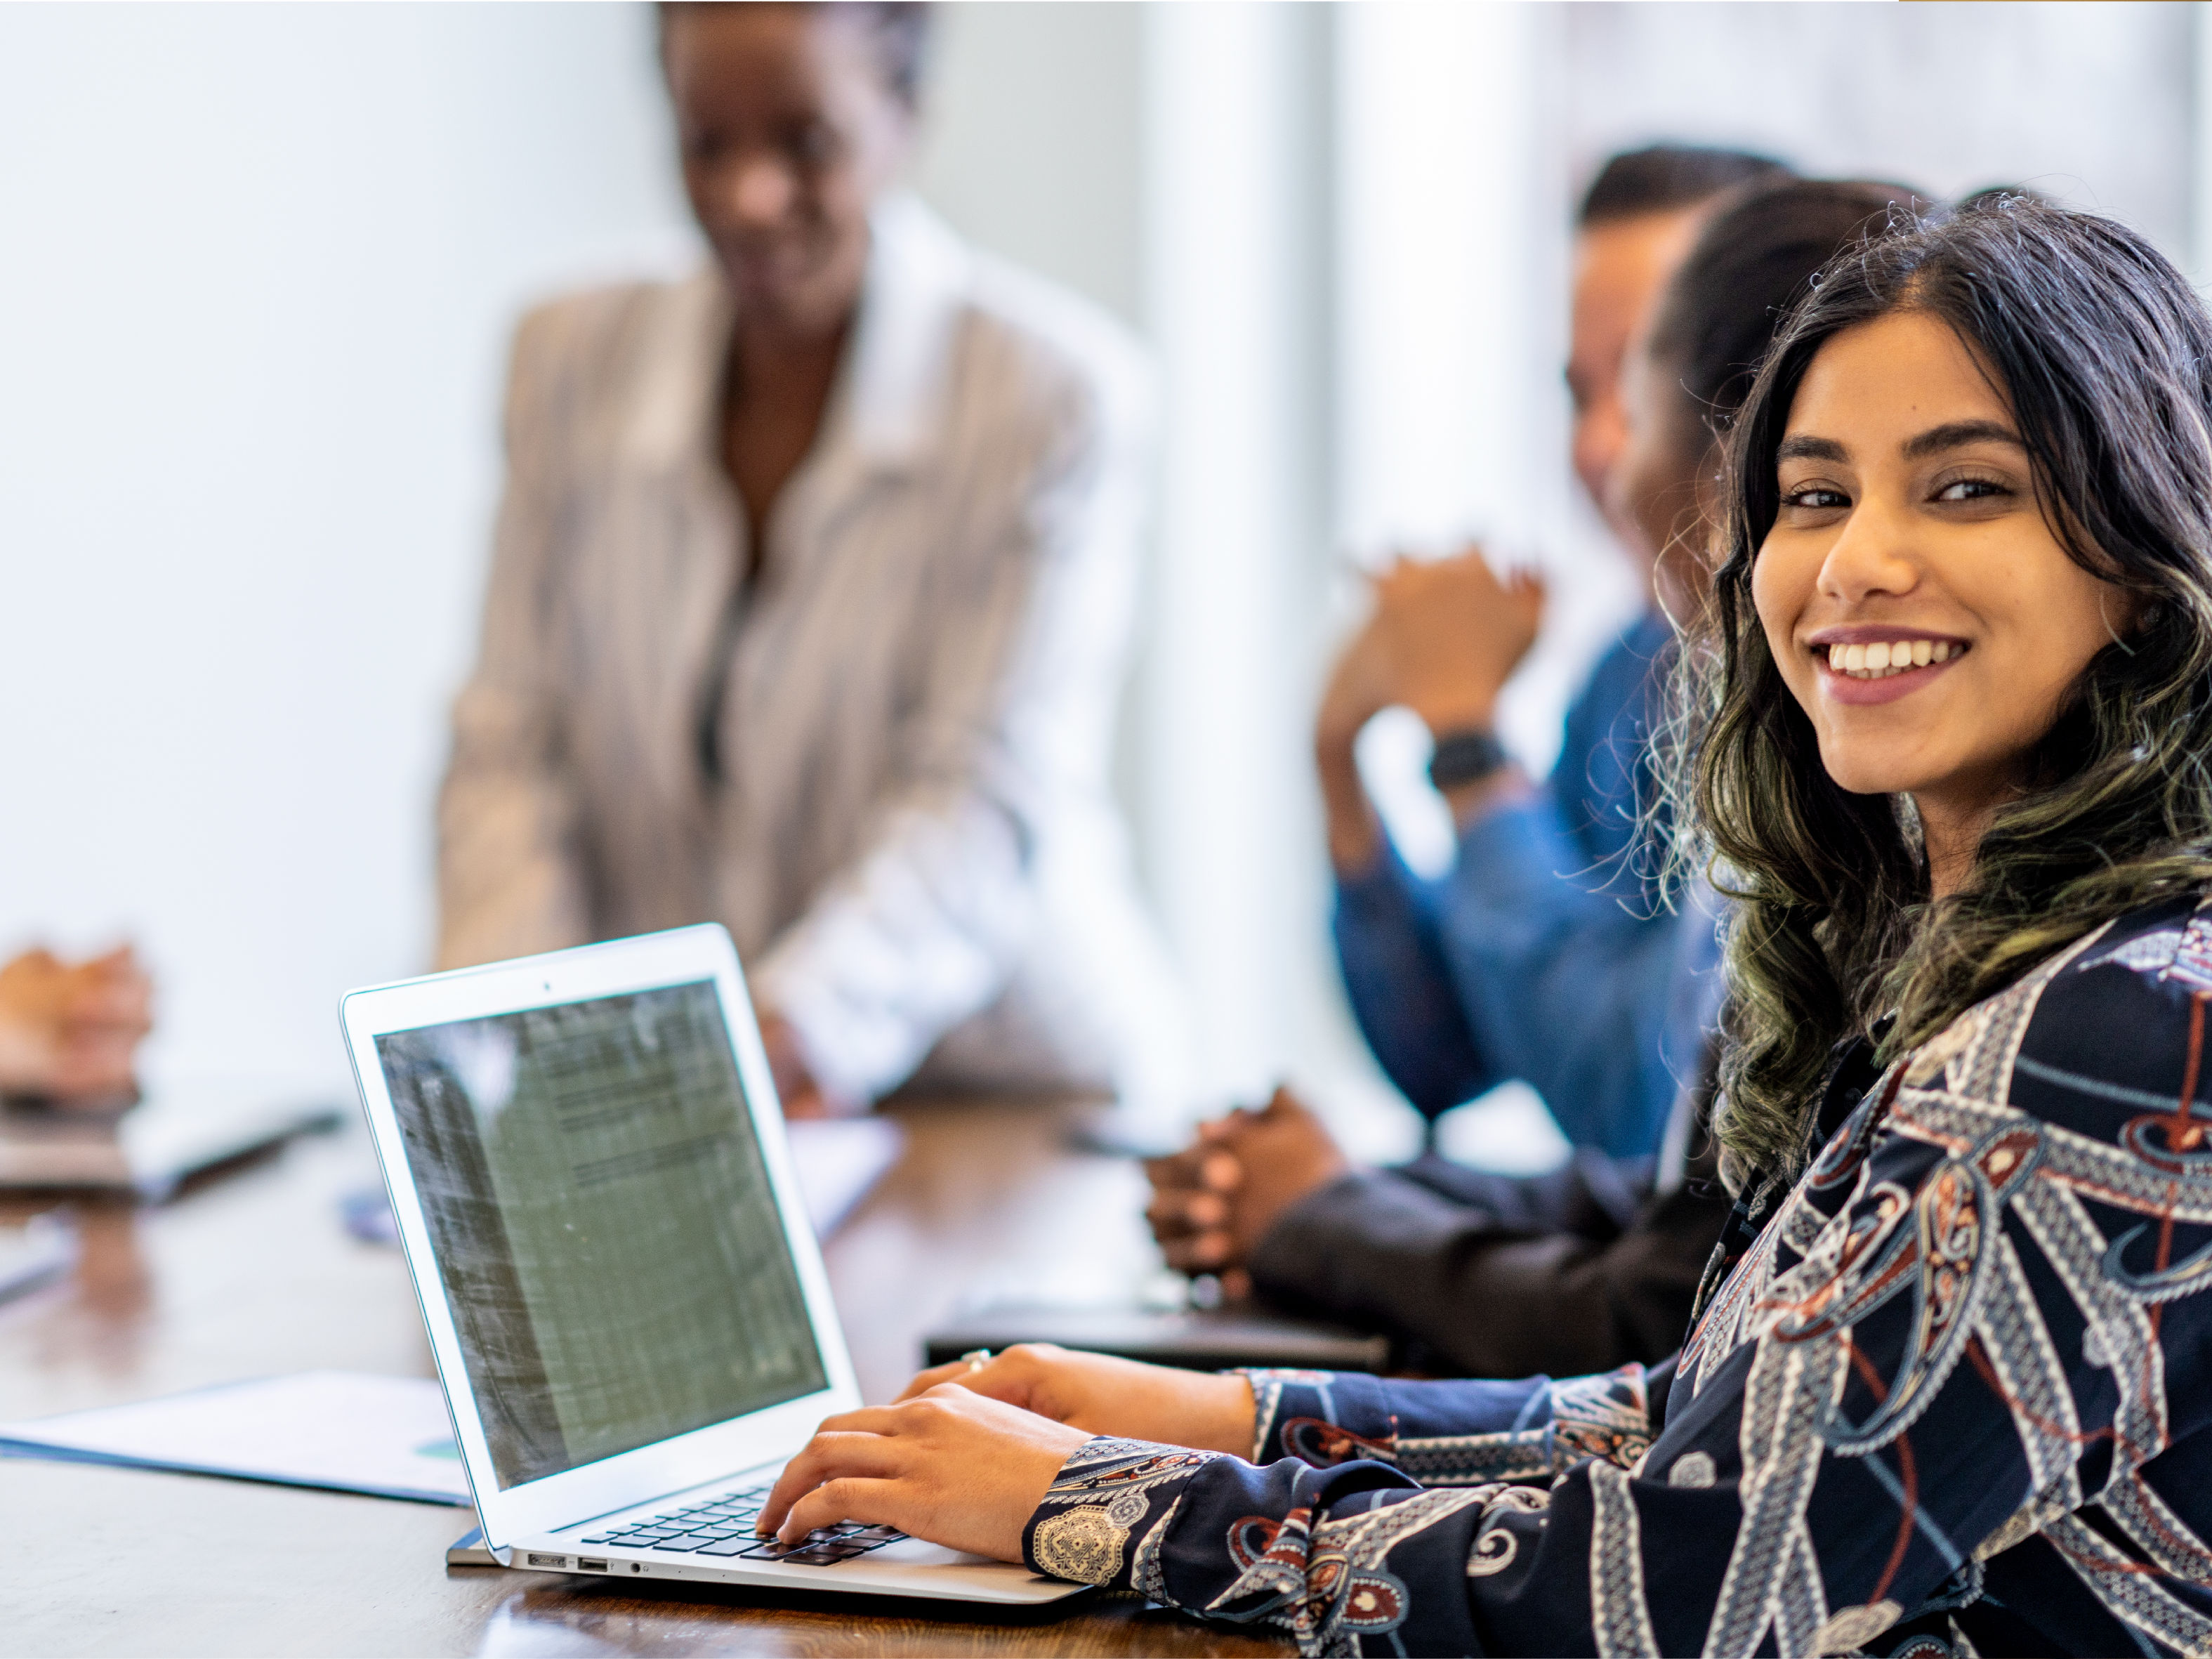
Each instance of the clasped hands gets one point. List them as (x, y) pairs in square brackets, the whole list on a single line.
[(1213, 1202), (964, 1456), (1443, 638)]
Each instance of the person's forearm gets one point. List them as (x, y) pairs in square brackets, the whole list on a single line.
[(912, 938), (1534, 955), (1355, 834), (1401, 989)]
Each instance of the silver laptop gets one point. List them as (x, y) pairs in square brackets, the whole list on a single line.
[(587, 1166)]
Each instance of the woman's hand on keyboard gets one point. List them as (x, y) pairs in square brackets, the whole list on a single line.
[(950, 1465), (1101, 1395)]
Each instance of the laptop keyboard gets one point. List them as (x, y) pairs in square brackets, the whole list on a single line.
[(724, 1526)]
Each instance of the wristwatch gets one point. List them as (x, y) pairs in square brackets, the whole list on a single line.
[(1466, 756)]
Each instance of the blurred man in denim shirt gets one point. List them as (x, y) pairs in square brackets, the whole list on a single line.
[(1551, 902)]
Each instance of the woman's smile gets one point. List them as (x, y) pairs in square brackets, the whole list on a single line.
[(1863, 664)]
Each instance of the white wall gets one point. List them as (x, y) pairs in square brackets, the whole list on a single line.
[(1452, 250), (1033, 140), (1238, 231), (261, 261), (2094, 103), (1175, 164)]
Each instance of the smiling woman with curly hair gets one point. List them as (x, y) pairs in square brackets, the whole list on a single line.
[(1950, 1388), (1861, 896)]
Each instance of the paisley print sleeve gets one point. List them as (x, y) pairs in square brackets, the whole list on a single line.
[(1110, 1492), (1368, 1487), (1952, 1400), (1451, 1434)]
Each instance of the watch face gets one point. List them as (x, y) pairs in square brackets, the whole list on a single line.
[(1465, 757)]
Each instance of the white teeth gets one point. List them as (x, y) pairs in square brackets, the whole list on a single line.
[(1886, 657)]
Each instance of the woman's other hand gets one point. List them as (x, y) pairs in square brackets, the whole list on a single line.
[(953, 1466), (1098, 1394)]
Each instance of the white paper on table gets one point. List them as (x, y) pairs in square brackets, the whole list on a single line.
[(386, 1436)]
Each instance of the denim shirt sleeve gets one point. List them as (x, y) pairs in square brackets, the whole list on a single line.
[(1565, 957), (1544, 955), (1401, 989), (1567, 988)]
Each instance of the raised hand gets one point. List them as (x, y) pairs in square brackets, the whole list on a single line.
[(1456, 632), (1444, 637)]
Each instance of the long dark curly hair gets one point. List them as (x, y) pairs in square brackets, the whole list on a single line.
[(2104, 352)]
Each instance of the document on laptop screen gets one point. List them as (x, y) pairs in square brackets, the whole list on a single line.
[(603, 1222)]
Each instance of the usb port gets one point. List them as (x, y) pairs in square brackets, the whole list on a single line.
[(590, 1565), (538, 1560)]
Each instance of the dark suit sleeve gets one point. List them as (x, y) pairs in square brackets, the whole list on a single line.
[(1497, 1277)]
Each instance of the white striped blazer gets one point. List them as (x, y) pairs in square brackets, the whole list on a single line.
[(913, 840)]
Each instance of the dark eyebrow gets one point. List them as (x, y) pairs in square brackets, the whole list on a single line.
[(1957, 434), (1803, 449)]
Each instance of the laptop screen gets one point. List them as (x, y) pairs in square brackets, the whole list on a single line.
[(603, 1222)]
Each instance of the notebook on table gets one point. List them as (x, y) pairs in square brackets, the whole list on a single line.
[(1193, 1338)]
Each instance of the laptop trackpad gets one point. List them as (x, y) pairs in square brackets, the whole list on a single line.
[(913, 1552)]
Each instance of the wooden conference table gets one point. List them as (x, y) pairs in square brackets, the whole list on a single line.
[(252, 1275)]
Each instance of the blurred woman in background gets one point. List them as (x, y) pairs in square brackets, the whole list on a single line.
[(809, 607)]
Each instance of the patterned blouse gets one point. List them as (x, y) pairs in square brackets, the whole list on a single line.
[(1941, 1403)]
